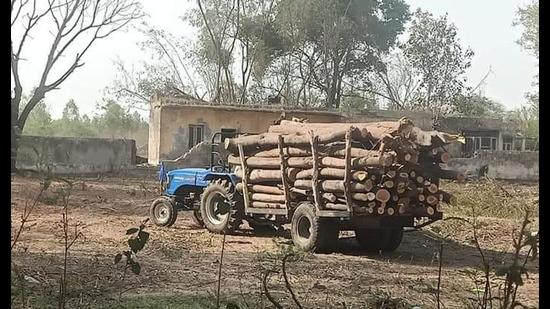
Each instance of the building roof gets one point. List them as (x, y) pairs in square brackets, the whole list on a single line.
[(275, 108)]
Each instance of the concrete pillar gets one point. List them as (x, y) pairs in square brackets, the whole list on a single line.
[(523, 144)]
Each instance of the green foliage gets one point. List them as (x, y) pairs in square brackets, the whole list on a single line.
[(528, 17), (341, 40), (136, 243), (435, 52), (476, 105), (113, 122), (39, 122)]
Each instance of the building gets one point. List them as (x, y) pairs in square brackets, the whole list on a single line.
[(177, 124)]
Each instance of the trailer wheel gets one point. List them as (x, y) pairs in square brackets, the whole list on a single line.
[(311, 233), (221, 207), (163, 211), (386, 240), (394, 240)]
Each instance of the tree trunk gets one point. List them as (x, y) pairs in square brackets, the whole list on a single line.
[(14, 133)]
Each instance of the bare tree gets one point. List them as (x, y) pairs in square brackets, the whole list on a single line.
[(77, 25)]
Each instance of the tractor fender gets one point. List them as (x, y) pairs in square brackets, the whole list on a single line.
[(225, 176)]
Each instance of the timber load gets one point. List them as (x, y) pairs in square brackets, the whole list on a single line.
[(381, 168)]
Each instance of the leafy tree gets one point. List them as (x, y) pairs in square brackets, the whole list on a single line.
[(71, 123), (337, 42), (434, 51), (476, 105), (528, 17), (528, 116), (39, 122), (75, 26), (247, 51)]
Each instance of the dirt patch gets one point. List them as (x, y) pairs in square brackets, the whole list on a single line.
[(183, 260)]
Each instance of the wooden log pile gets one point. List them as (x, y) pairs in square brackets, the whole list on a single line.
[(381, 168)]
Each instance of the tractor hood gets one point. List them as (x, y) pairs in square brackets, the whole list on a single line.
[(186, 171)]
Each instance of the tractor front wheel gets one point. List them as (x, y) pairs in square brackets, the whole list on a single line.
[(221, 207), (163, 211)]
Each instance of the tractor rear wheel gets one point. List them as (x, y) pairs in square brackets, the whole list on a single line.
[(163, 211), (222, 208), (311, 233)]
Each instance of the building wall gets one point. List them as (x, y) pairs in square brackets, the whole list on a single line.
[(506, 165), (173, 139), (67, 155)]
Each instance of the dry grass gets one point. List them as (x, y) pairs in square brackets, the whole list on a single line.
[(491, 198)]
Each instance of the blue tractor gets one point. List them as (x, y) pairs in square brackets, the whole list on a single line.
[(208, 192)]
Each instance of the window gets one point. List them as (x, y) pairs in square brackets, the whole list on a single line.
[(195, 134), (507, 146)]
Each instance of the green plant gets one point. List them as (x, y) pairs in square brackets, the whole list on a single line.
[(136, 242)]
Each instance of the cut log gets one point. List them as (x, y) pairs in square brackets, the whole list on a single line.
[(386, 159), (435, 156), (390, 211), (274, 163), (257, 204), (375, 130), (258, 176), (269, 198), (333, 206), (294, 139), (300, 191), (430, 211), (288, 151), (388, 184), (332, 173), (383, 195), (432, 200), (433, 139), (333, 186), (432, 188), (261, 189), (330, 197), (371, 196)]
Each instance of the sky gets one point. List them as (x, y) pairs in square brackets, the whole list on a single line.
[(484, 26)]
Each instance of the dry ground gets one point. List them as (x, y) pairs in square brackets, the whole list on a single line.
[(180, 264)]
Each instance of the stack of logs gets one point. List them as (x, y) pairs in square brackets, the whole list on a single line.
[(381, 168)]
